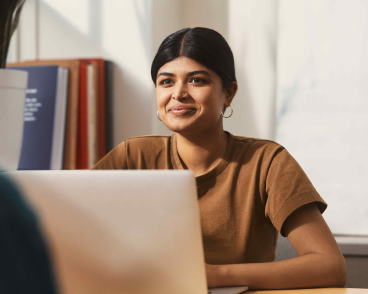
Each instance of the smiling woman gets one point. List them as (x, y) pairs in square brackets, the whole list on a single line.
[(190, 96), (248, 189)]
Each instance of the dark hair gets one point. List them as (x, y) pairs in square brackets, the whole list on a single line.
[(204, 45)]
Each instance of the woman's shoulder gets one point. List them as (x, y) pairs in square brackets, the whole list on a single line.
[(131, 153)]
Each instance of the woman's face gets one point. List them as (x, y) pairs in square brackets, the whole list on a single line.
[(190, 96)]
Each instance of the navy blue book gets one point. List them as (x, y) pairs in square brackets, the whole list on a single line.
[(39, 112)]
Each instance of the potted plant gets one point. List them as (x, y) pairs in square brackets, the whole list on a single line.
[(13, 84)]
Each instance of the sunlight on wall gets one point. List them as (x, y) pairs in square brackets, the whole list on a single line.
[(141, 9), (76, 12), (60, 38), (126, 39), (252, 36)]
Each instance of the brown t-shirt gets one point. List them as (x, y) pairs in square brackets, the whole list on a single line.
[(243, 201)]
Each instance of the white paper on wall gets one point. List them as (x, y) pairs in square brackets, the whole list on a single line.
[(322, 102)]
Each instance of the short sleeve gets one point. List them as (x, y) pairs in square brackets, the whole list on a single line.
[(115, 159), (287, 189)]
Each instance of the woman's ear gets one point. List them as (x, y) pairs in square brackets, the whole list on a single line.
[(231, 91)]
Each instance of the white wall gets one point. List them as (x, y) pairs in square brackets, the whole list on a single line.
[(252, 37), (128, 32), (323, 105)]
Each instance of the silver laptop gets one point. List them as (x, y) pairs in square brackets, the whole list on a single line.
[(121, 231)]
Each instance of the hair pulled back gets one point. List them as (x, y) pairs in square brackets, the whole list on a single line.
[(204, 45)]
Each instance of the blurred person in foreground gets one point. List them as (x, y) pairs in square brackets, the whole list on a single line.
[(24, 262)]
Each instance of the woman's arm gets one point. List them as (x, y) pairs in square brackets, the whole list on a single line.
[(319, 264)]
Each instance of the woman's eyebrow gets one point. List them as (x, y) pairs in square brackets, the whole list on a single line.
[(169, 74), (165, 74), (198, 72)]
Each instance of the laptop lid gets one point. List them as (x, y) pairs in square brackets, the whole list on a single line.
[(120, 231)]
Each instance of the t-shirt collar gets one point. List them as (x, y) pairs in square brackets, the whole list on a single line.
[(219, 168)]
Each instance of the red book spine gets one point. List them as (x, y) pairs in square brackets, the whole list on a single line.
[(101, 109), (82, 140)]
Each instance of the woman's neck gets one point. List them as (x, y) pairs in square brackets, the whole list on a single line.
[(203, 151)]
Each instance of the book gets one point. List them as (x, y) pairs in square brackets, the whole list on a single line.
[(101, 105), (57, 153), (39, 113), (109, 102), (92, 106), (82, 138), (70, 146), (96, 125)]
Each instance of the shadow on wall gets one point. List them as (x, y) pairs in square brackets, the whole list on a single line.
[(243, 117), (132, 115)]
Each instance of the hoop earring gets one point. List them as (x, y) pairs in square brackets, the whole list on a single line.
[(232, 110), (158, 116)]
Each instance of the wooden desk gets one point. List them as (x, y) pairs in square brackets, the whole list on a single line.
[(313, 291)]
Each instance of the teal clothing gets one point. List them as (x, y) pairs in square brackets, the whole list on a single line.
[(24, 262)]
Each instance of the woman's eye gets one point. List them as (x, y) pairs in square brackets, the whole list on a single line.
[(165, 82), (197, 80)]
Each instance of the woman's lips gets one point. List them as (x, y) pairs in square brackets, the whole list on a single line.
[(180, 110)]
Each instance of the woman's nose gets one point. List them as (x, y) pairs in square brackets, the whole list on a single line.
[(179, 93)]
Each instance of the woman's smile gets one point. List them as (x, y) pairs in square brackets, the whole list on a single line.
[(182, 110)]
